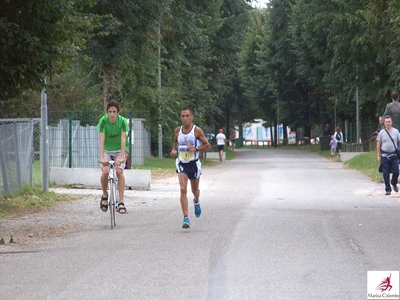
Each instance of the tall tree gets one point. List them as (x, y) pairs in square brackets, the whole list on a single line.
[(312, 56), (227, 44), (123, 42), (254, 69), (36, 39)]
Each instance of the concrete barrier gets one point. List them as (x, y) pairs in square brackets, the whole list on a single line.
[(90, 177)]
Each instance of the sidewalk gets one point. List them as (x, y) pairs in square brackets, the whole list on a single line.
[(345, 156)]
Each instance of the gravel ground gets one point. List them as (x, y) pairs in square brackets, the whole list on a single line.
[(36, 229)]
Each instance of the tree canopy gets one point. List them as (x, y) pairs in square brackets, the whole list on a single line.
[(35, 41), (293, 62)]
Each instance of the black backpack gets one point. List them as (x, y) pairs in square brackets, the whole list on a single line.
[(338, 136)]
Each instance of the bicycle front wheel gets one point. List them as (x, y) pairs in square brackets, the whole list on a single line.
[(113, 199)]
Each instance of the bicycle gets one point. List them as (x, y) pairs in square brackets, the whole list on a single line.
[(112, 191)]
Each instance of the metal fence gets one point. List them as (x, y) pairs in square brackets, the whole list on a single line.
[(20, 143), (74, 140)]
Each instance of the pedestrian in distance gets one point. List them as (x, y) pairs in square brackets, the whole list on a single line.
[(188, 141), (393, 110), (333, 145), (380, 126), (381, 123), (221, 139), (339, 140), (387, 142), (327, 130), (112, 130), (232, 137)]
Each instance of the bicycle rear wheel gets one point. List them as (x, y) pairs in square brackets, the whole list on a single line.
[(113, 198)]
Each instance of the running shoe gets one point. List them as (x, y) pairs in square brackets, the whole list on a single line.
[(186, 222), (197, 209)]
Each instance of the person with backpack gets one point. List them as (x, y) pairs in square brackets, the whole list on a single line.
[(339, 140)]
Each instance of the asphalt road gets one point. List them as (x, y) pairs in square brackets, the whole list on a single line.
[(275, 225)]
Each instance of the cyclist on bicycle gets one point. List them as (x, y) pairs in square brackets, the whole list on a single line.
[(112, 129)]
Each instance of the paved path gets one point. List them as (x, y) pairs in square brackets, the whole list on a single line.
[(275, 225), (345, 156)]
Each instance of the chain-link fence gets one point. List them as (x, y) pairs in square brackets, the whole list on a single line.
[(74, 140), (19, 149)]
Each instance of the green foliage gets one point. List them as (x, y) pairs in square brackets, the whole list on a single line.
[(226, 83), (35, 41), (254, 69), (293, 62), (92, 51), (120, 48), (307, 57)]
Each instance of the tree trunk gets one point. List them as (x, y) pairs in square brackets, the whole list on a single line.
[(276, 136), (240, 119), (109, 85), (323, 113)]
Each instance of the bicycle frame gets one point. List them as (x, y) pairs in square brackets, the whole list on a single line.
[(112, 191)]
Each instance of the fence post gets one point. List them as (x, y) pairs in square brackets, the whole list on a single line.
[(130, 139), (44, 143), (70, 139), (351, 137)]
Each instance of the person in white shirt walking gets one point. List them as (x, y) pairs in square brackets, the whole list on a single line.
[(221, 138)]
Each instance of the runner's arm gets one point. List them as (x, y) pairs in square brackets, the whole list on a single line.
[(175, 142), (205, 145)]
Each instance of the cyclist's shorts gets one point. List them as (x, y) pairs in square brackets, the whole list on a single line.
[(114, 154)]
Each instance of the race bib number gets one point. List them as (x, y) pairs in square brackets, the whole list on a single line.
[(186, 155)]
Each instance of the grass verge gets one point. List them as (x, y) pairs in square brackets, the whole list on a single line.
[(29, 200), (367, 164)]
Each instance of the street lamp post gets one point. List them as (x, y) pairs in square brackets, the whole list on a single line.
[(160, 150), (357, 118)]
